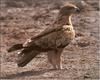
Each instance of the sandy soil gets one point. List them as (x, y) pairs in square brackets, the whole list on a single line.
[(20, 20)]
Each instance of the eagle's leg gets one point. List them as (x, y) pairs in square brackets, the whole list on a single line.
[(59, 59), (51, 55), (54, 58)]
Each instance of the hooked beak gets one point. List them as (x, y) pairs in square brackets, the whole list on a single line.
[(77, 10)]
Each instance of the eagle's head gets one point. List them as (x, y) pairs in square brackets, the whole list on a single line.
[(69, 9)]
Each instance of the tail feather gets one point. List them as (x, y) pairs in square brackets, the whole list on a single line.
[(15, 47), (26, 58)]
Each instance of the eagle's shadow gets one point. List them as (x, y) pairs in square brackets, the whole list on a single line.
[(26, 73)]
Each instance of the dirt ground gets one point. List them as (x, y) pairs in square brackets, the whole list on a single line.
[(22, 19)]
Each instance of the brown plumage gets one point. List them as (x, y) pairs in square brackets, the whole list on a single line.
[(52, 40)]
